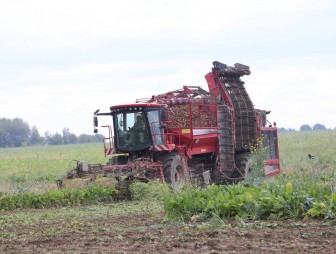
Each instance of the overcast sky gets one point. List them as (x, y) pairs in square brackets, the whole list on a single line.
[(62, 60)]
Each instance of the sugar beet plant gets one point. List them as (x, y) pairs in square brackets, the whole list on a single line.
[(282, 198), (258, 154), (89, 195), (298, 194), (59, 198)]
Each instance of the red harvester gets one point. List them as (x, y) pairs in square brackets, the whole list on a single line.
[(191, 133), (187, 134)]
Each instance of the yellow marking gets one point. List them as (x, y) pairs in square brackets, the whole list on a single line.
[(184, 131)]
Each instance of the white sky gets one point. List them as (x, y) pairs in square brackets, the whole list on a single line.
[(62, 60)]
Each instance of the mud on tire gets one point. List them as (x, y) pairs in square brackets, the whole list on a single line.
[(173, 170)]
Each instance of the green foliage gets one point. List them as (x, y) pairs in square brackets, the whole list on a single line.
[(153, 190), (319, 127), (294, 148), (325, 208), (54, 139), (84, 138), (13, 132), (58, 198), (287, 196), (257, 157), (16, 133), (305, 127), (35, 169), (35, 137)]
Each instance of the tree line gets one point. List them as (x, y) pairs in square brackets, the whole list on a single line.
[(307, 127), (16, 132)]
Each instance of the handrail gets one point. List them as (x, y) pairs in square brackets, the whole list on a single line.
[(110, 140)]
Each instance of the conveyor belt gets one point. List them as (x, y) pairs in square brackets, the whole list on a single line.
[(245, 118), (225, 141)]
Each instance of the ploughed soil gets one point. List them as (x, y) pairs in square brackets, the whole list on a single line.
[(153, 233)]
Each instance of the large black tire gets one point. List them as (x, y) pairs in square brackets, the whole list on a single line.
[(173, 170)]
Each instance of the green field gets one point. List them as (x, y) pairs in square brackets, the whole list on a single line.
[(36, 168), (295, 147), (264, 217)]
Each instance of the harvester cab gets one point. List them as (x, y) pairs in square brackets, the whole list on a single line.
[(136, 129)]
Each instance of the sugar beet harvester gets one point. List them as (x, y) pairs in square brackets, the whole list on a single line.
[(190, 133)]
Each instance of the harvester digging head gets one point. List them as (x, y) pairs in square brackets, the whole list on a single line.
[(83, 172)]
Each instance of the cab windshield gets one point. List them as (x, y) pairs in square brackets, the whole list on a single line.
[(138, 130), (131, 131)]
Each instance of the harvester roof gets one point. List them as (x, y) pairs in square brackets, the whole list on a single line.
[(135, 106)]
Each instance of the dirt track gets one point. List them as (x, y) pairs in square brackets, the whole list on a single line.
[(151, 233)]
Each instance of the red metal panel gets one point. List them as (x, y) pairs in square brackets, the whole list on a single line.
[(213, 88), (217, 89)]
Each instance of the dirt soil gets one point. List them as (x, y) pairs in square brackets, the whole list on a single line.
[(152, 233)]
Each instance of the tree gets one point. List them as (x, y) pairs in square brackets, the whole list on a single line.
[(13, 132), (34, 136), (85, 138), (305, 127), (66, 133), (68, 137), (282, 129), (16, 132), (53, 139), (72, 138), (319, 127), (99, 137)]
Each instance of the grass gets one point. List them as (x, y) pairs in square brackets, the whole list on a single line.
[(36, 168), (295, 147), (42, 164)]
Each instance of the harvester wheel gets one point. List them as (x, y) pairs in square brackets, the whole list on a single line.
[(173, 170)]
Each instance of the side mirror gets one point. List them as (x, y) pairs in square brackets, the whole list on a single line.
[(95, 121)]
